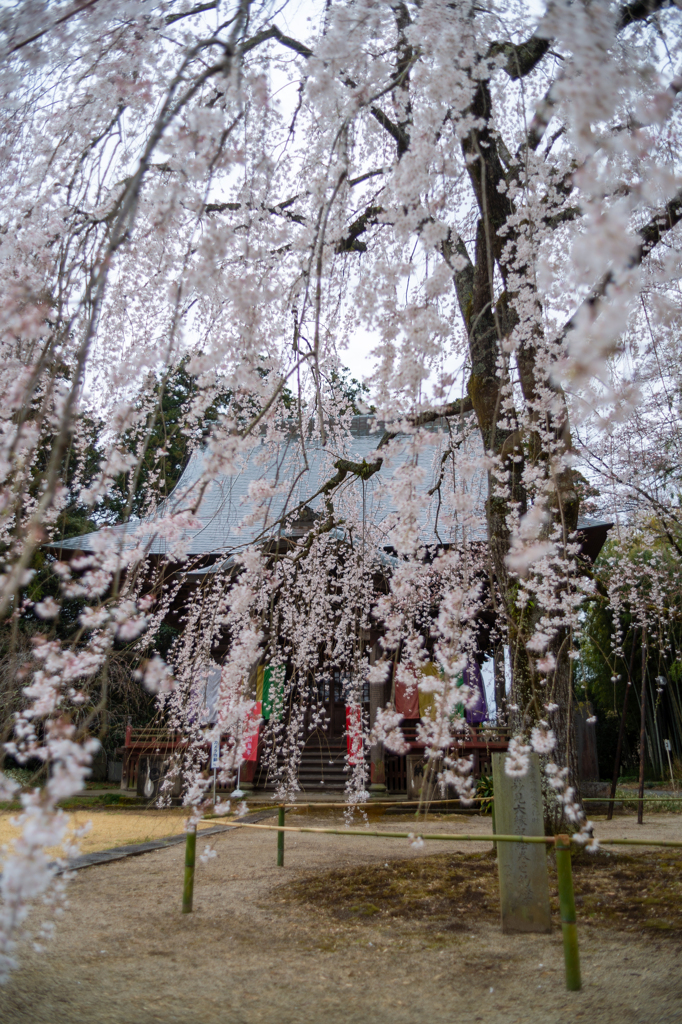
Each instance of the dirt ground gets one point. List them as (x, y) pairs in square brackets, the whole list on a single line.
[(253, 951), (110, 828)]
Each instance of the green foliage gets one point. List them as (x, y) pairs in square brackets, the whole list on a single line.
[(601, 677), (73, 520), (162, 443), (350, 393), (484, 788), (179, 412)]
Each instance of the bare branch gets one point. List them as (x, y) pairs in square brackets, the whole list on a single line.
[(199, 9), (77, 9), (459, 407)]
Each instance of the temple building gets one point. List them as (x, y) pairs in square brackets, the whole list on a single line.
[(229, 515)]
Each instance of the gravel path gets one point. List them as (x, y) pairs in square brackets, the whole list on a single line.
[(124, 954)]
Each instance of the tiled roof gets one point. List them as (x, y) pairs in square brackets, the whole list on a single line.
[(231, 520)]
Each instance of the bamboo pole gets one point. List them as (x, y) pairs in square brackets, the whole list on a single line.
[(387, 803), (494, 823), (280, 837), (642, 735), (629, 799), (190, 857), (670, 843), (567, 910), (452, 837)]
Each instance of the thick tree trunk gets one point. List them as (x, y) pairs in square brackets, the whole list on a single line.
[(490, 322)]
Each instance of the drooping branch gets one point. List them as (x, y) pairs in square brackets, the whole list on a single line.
[(459, 407), (650, 235)]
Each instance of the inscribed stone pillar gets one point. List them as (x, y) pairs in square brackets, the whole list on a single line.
[(522, 867)]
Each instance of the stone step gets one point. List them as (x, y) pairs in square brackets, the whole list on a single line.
[(320, 768)]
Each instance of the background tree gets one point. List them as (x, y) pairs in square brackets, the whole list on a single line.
[(638, 601)]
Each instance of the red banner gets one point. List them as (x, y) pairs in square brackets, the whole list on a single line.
[(251, 729), (407, 698), (354, 734)]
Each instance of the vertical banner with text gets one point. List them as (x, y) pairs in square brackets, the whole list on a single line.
[(251, 728), (354, 733)]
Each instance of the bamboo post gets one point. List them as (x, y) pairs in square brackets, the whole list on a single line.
[(280, 837), (642, 735), (190, 856), (453, 836), (567, 909)]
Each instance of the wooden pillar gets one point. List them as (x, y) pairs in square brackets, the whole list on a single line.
[(126, 767), (377, 697), (500, 680), (642, 735), (621, 731)]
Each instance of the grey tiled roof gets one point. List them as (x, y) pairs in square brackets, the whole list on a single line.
[(231, 520)]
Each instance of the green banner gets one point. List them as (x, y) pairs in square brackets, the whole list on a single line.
[(270, 690)]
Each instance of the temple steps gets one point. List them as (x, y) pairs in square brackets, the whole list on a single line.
[(321, 768)]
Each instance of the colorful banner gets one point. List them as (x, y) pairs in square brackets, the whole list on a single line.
[(427, 703), (354, 733), (270, 690), (407, 698), (251, 729), (410, 701), (477, 711)]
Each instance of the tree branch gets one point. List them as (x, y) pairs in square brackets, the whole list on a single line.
[(640, 10), (522, 58), (199, 9), (274, 33), (349, 243), (459, 407), (58, 21), (651, 234), (463, 275), (293, 44), (393, 130)]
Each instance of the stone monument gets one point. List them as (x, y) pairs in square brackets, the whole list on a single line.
[(522, 867)]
